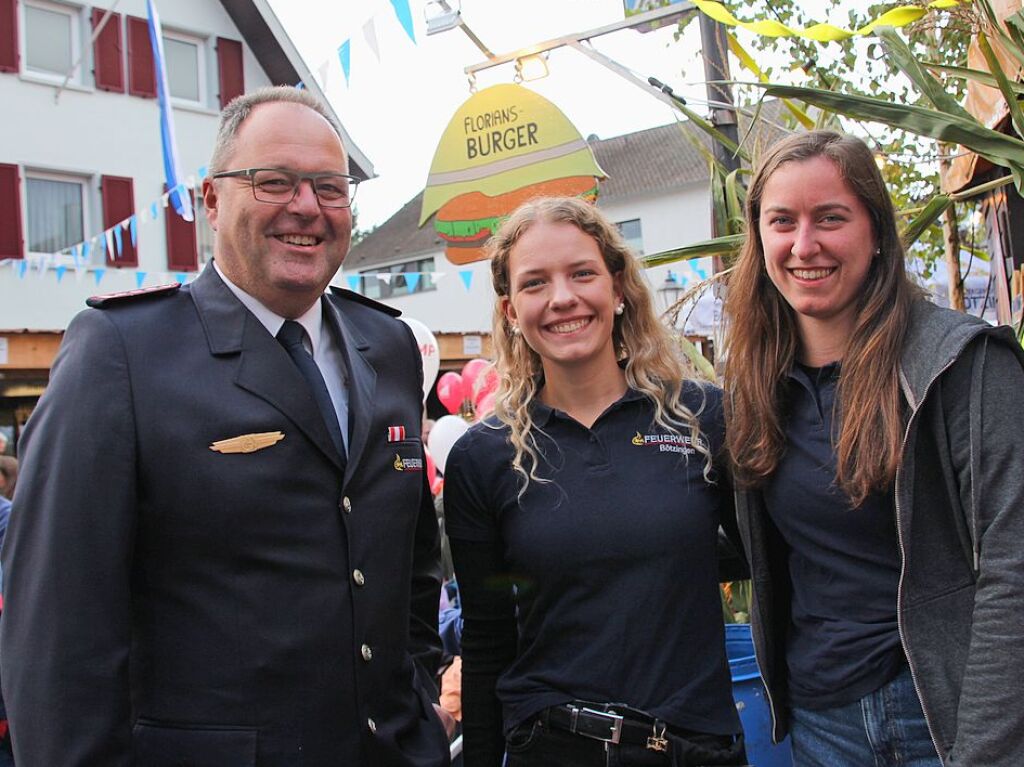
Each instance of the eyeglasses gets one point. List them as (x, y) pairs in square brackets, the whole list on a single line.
[(279, 187)]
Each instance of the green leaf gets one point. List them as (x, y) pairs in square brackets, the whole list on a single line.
[(935, 208), (978, 75), (748, 61), (712, 131), (733, 206), (996, 147), (1004, 85), (905, 61), (698, 360), (1010, 45), (728, 244)]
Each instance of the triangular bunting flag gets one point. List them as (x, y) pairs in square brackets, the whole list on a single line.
[(118, 242), (76, 254), (353, 283), (133, 229), (20, 268), (384, 277), (181, 277), (140, 277), (60, 272), (345, 57), (324, 69), (109, 236), (153, 212), (98, 275), (467, 277), (86, 247), (412, 279), (370, 33), (203, 172), (404, 16)]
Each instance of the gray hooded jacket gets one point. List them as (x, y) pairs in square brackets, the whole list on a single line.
[(960, 518)]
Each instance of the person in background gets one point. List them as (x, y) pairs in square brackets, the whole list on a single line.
[(878, 446), (583, 518), (223, 550), (8, 476)]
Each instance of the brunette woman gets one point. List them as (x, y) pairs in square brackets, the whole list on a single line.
[(878, 443), (583, 519)]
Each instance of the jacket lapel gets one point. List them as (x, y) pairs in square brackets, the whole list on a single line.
[(362, 381), (264, 367)]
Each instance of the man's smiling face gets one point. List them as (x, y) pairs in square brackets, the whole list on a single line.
[(283, 255)]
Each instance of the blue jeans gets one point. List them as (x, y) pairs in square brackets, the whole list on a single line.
[(883, 729)]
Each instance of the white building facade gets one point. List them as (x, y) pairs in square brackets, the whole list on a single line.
[(82, 188)]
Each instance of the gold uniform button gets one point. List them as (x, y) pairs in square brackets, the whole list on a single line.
[(346, 505), (367, 652), (372, 725), (358, 577)]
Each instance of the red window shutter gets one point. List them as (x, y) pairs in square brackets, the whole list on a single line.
[(118, 195), (11, 243), (108, 53), (8, 36), (229, 68), (182, 253), (141, 71)]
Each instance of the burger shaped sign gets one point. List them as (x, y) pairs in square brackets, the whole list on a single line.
[(504, 146)]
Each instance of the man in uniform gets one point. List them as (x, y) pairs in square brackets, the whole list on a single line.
[(223, 551)]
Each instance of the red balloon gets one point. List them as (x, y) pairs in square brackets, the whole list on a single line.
[(450, 390), (486, 385), (432, 479), (485, 406), (471, 373)]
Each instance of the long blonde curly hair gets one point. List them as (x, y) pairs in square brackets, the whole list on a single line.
[(653, 365)]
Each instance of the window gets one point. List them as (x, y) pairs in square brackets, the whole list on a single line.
[(398, 285), (632, 234), (52, 39), (57, 212), (185, 59)]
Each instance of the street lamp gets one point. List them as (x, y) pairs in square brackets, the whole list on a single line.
[(671, 290)]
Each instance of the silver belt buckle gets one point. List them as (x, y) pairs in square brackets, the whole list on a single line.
[(614, 725)]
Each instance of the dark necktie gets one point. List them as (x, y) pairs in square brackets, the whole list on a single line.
[(290, 337)]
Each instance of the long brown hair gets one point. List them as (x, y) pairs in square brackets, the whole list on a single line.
[(763, 341), (652, 365)]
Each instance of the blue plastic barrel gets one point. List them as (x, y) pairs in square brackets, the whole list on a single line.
[(751, 702)]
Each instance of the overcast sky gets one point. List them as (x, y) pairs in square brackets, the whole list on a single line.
[(397, 108)]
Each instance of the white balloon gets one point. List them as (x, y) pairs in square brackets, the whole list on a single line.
[(429, 351), (444, 434)]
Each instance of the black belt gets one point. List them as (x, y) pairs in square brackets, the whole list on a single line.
[(607, 725)]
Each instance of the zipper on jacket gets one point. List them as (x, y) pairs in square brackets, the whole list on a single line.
[(903, 554), (767, 689)]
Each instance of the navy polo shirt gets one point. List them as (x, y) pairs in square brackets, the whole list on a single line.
[(612, 564), (844, 563)]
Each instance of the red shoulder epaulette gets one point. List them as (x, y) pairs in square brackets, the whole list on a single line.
[(102, 302), (351, 295)]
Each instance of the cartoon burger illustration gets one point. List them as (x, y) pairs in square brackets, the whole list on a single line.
[(504, 146)]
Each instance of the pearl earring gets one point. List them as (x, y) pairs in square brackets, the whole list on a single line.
[(620, 308), (515, 330)]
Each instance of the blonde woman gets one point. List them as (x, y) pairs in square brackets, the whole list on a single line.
[(583, 518), (877, 440)]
